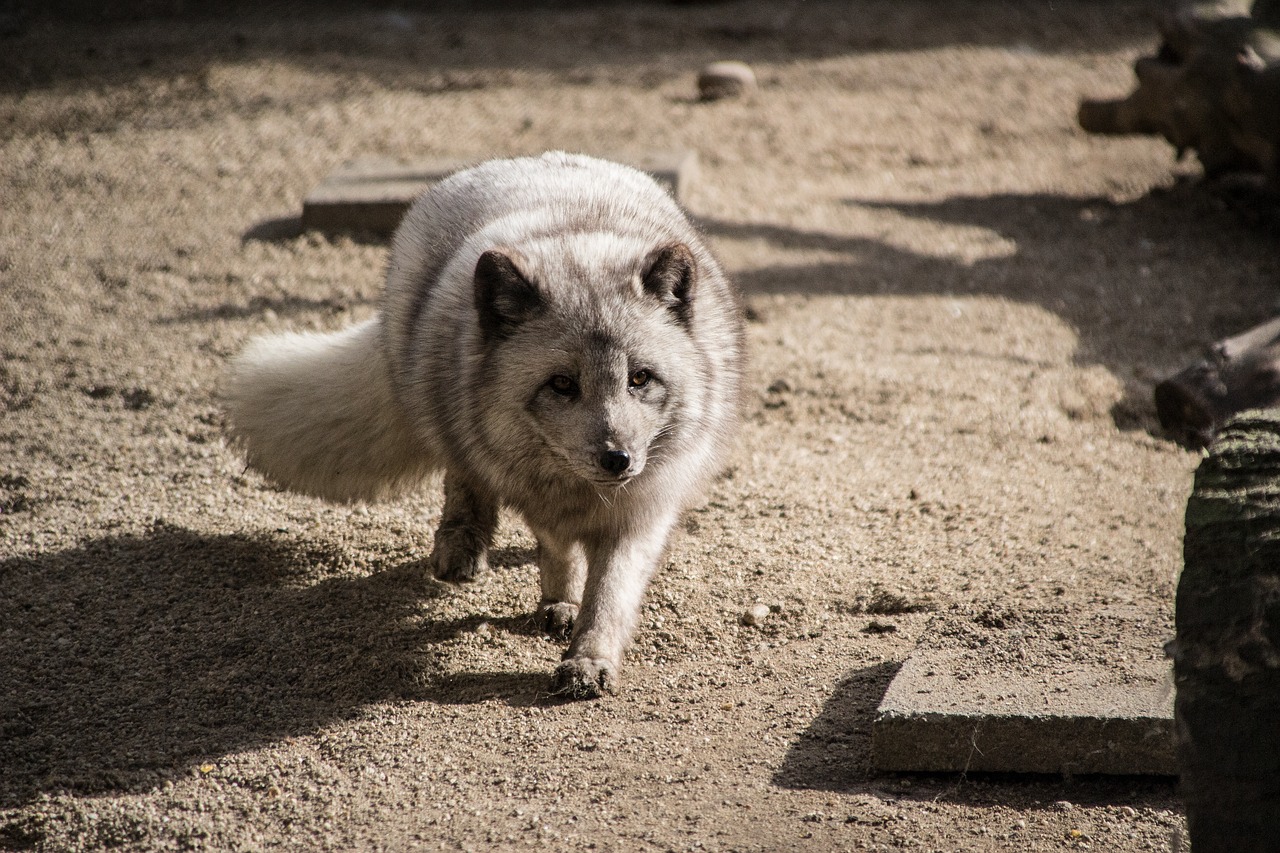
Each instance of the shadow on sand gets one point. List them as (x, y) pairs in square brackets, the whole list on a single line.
[(53, 43), (1116, 272), (129, 659)]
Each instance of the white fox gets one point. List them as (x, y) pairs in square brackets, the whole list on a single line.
[(556, 337)]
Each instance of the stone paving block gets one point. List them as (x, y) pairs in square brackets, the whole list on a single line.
[(372, 194), (1032, 692)]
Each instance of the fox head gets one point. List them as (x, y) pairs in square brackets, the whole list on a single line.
[(588, 352)]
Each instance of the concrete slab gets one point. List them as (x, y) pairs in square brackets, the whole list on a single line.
[(1032, 692), (372, 194)]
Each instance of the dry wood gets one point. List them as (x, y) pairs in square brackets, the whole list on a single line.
[(1237, 373), (1213, 87)]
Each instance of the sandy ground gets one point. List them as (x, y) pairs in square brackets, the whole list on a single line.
[(959, 305)]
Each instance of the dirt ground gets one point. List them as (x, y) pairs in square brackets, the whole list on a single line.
[(959, 304)]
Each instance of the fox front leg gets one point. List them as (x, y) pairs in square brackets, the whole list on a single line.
[(465, 532), (617, 575), (562, 569)]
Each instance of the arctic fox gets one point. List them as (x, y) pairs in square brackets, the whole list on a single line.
[(554, 335)]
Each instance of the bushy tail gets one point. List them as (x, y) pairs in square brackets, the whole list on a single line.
[(315, 413)]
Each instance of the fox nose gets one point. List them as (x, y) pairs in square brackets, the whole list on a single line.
[(615, 461)]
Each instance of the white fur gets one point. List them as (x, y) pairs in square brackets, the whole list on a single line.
[(439, 381), (315, 412)]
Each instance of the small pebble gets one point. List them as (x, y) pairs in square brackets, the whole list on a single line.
[(725, 80), (755, 614)]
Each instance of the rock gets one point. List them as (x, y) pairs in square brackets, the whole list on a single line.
[(755, 615), (956, 705), (726, 80), (371, 194), (780, 386)]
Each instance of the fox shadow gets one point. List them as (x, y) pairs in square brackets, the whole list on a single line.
[(129, 659), (1128, 277), (834, 754)]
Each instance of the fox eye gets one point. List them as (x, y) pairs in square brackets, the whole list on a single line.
[(563, 385), (639, 379)]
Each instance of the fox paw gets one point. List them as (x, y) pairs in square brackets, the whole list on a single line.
[(584, 678), (556, 618), (456, 564)]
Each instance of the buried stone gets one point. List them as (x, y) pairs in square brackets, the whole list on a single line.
[(1030, 697)]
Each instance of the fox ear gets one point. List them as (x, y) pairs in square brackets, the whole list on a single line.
[(504, 296), (671, 274)]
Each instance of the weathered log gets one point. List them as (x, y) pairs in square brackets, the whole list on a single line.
[(1237, 373), (1227, 650), (1213, 87)]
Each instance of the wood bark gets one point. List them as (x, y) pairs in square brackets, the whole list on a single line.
[(1227, 650)]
